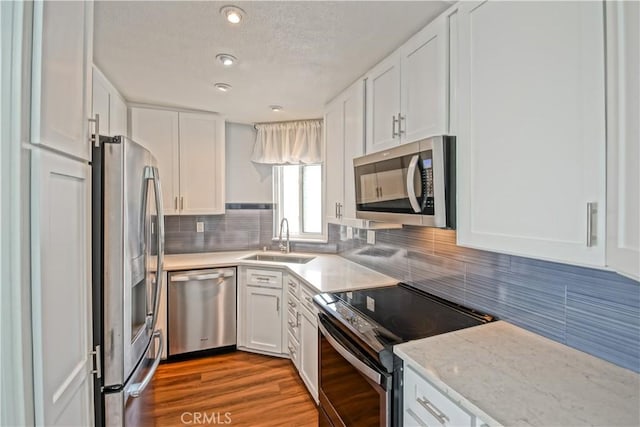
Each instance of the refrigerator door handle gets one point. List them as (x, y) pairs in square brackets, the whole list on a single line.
[(160, 244), (135, 390)]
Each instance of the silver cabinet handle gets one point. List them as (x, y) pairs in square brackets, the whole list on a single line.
[(400, 118), (181, 202), (336, 209), (393, 127), (136, 389), (592, 210), (185, 278), (176, 202), (411, 191), (278, 304), (98, 354), (426, 404), (298, 319)]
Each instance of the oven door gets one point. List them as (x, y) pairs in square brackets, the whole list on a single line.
[(354, 390)]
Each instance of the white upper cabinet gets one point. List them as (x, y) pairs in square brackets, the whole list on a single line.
[(623, 137), (383, 104), (189, 148), (109, 105), (531, 137), (202, 178), (407, 91), (157, 130), (60, 91), (344, 140)]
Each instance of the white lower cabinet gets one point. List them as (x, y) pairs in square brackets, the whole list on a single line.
[(425, 405), (61, 289), (302, 332), (261, 310)]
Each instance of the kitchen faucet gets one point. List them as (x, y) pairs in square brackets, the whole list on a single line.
[(284, 248)]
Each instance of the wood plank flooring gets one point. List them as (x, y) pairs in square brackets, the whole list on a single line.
[(238, 389)]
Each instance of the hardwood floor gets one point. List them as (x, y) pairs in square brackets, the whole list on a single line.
[(238, 389)]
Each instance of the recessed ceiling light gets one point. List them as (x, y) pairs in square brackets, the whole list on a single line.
[(222, 87), (226, 59), (275, 108), (232, 14)]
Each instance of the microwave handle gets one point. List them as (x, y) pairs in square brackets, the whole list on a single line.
[(411, 191)]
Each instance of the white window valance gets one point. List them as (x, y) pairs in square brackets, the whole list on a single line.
[(288, 143)]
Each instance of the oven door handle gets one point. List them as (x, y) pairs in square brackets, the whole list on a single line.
[(354, 361)]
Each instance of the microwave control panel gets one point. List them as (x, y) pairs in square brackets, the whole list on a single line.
[(428, 205)]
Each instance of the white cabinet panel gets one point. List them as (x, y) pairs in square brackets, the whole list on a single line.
[(202, 139), (344, 140), (623, 137), (157, 130), (263, 314), (383, 104), (109, 105), (308, 363), (61, 290), (117, 115), (424, 89), (62, 40), (531, 140), (190, 151)]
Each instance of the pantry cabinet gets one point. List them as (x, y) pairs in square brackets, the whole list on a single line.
[(531, 131), (344, 140), (189, 148), (623, 137), (407, 91), (61, 76), (109, 106)]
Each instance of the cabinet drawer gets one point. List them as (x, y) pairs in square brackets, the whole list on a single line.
[(266, 278), (292, 322), (423, 403), (293, 348), (306, 299), (293, 286)]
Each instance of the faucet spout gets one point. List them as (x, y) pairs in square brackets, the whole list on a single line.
[(287, 247)]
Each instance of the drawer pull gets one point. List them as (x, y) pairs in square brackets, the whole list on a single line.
[(298, 319), (293, 284), (291, 304), (292, 323), (426, 404), (309, 299), (416, 418), (292, 351)]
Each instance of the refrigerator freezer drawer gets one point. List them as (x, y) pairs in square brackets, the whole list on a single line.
[(202, 310)]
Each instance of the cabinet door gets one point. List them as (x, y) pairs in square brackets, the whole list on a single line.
[(309, 351), (334, 159), (157, 130), (117, 115), (383, 104), (62, 40), (61, 290), (531, 147), (100, 102), (353, 106), (263, 313), (623, 138), (424, 83), (202, 162)]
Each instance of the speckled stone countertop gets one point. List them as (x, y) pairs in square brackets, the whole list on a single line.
[(512, 377), (326, 273)]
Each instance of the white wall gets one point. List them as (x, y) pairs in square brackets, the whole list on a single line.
[(247, 182)]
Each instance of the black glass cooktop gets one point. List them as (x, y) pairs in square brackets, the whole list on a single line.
[(407, 313)]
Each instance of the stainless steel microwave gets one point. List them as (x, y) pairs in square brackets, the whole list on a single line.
[(409, 184)]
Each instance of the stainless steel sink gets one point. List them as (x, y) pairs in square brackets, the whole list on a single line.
[(292, 259)]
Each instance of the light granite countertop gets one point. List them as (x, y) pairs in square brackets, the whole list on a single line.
[(512, 377), (326, 273)]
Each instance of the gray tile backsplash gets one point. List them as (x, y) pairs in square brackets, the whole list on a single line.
[(592, 310), (595, 311)]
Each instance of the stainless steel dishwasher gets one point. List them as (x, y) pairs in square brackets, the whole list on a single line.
[(202, 310)]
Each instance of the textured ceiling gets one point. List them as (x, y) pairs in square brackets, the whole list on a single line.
[(295, 54)]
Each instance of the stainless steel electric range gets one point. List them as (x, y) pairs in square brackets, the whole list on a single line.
[(360, 379)]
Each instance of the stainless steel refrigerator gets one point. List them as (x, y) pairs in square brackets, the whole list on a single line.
[(128, 251)]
